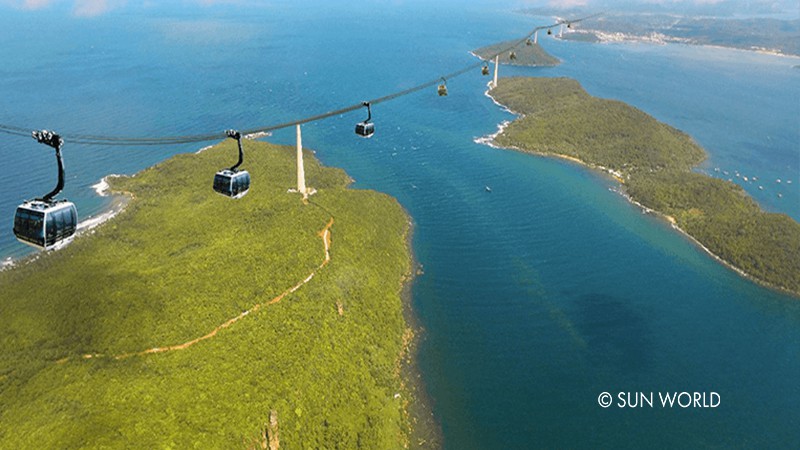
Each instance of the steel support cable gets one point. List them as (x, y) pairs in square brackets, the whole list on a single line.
[(87, 139)]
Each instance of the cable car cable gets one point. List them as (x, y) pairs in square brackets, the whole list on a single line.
[(87, 139)]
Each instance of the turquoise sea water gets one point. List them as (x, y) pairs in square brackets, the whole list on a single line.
[(536, 297)]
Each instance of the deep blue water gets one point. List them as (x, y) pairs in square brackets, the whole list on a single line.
[(536, 297)]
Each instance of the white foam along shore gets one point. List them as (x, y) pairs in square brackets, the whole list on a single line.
[(102, 188), (489, 140)]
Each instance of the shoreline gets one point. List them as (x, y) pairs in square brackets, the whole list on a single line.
[(425, 432), (489, 140)]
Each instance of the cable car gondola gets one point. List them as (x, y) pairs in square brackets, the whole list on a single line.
[(233, 183), (442, 89), (44, 222), (485, 69), (528, 42), (549, 31), (512, 56), (366, 128)]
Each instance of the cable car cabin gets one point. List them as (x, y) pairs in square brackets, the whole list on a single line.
[(232, 184), (485, 70), (365, 129), (442, 90), (44, 225)]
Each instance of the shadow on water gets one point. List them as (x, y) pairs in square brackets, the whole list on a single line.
[(616, 335)]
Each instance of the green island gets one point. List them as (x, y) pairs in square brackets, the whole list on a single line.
[(191, 320), (654, 163), (526, 55)]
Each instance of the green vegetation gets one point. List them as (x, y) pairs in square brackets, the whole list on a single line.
[(527, 55), (654, 162), (180, 261)]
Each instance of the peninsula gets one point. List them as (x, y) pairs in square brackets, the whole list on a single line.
[(654, 162), (525, 55), (191, 320)]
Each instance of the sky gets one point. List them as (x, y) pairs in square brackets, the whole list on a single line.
[(98, 8)]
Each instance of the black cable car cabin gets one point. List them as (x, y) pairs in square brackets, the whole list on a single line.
[(442, 89), (233, 183), (45, 223), (366, 128)]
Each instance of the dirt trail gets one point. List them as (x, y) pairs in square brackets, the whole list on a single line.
[(325, 234)]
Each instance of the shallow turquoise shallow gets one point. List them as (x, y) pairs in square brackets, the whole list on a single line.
[(537, 296)]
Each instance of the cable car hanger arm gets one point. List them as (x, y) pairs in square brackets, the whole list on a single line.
[(52, 140)]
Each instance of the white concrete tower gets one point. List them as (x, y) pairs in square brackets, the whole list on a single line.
[(561, 31), (536, 37), (301, 174), (496, 65)]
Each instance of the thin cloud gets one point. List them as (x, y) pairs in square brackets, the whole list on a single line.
[(92, 8), (32, 4), (567, 3)]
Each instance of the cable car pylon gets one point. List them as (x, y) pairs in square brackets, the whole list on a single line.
[(301, 172), (496, 66)]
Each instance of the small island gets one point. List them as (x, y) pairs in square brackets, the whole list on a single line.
[(654, 163), (525, 55), (191, 320)]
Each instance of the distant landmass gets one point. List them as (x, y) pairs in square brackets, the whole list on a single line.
[(654, 162), (525, 55), (757, 34)]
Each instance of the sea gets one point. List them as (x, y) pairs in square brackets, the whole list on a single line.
[(534, 299)]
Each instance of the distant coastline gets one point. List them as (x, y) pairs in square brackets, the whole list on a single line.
[(501, 139), (600, 37), (766, 35)]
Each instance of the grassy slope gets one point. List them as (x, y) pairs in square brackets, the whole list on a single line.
[(180, 261), (527, 55), (655, 161)]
